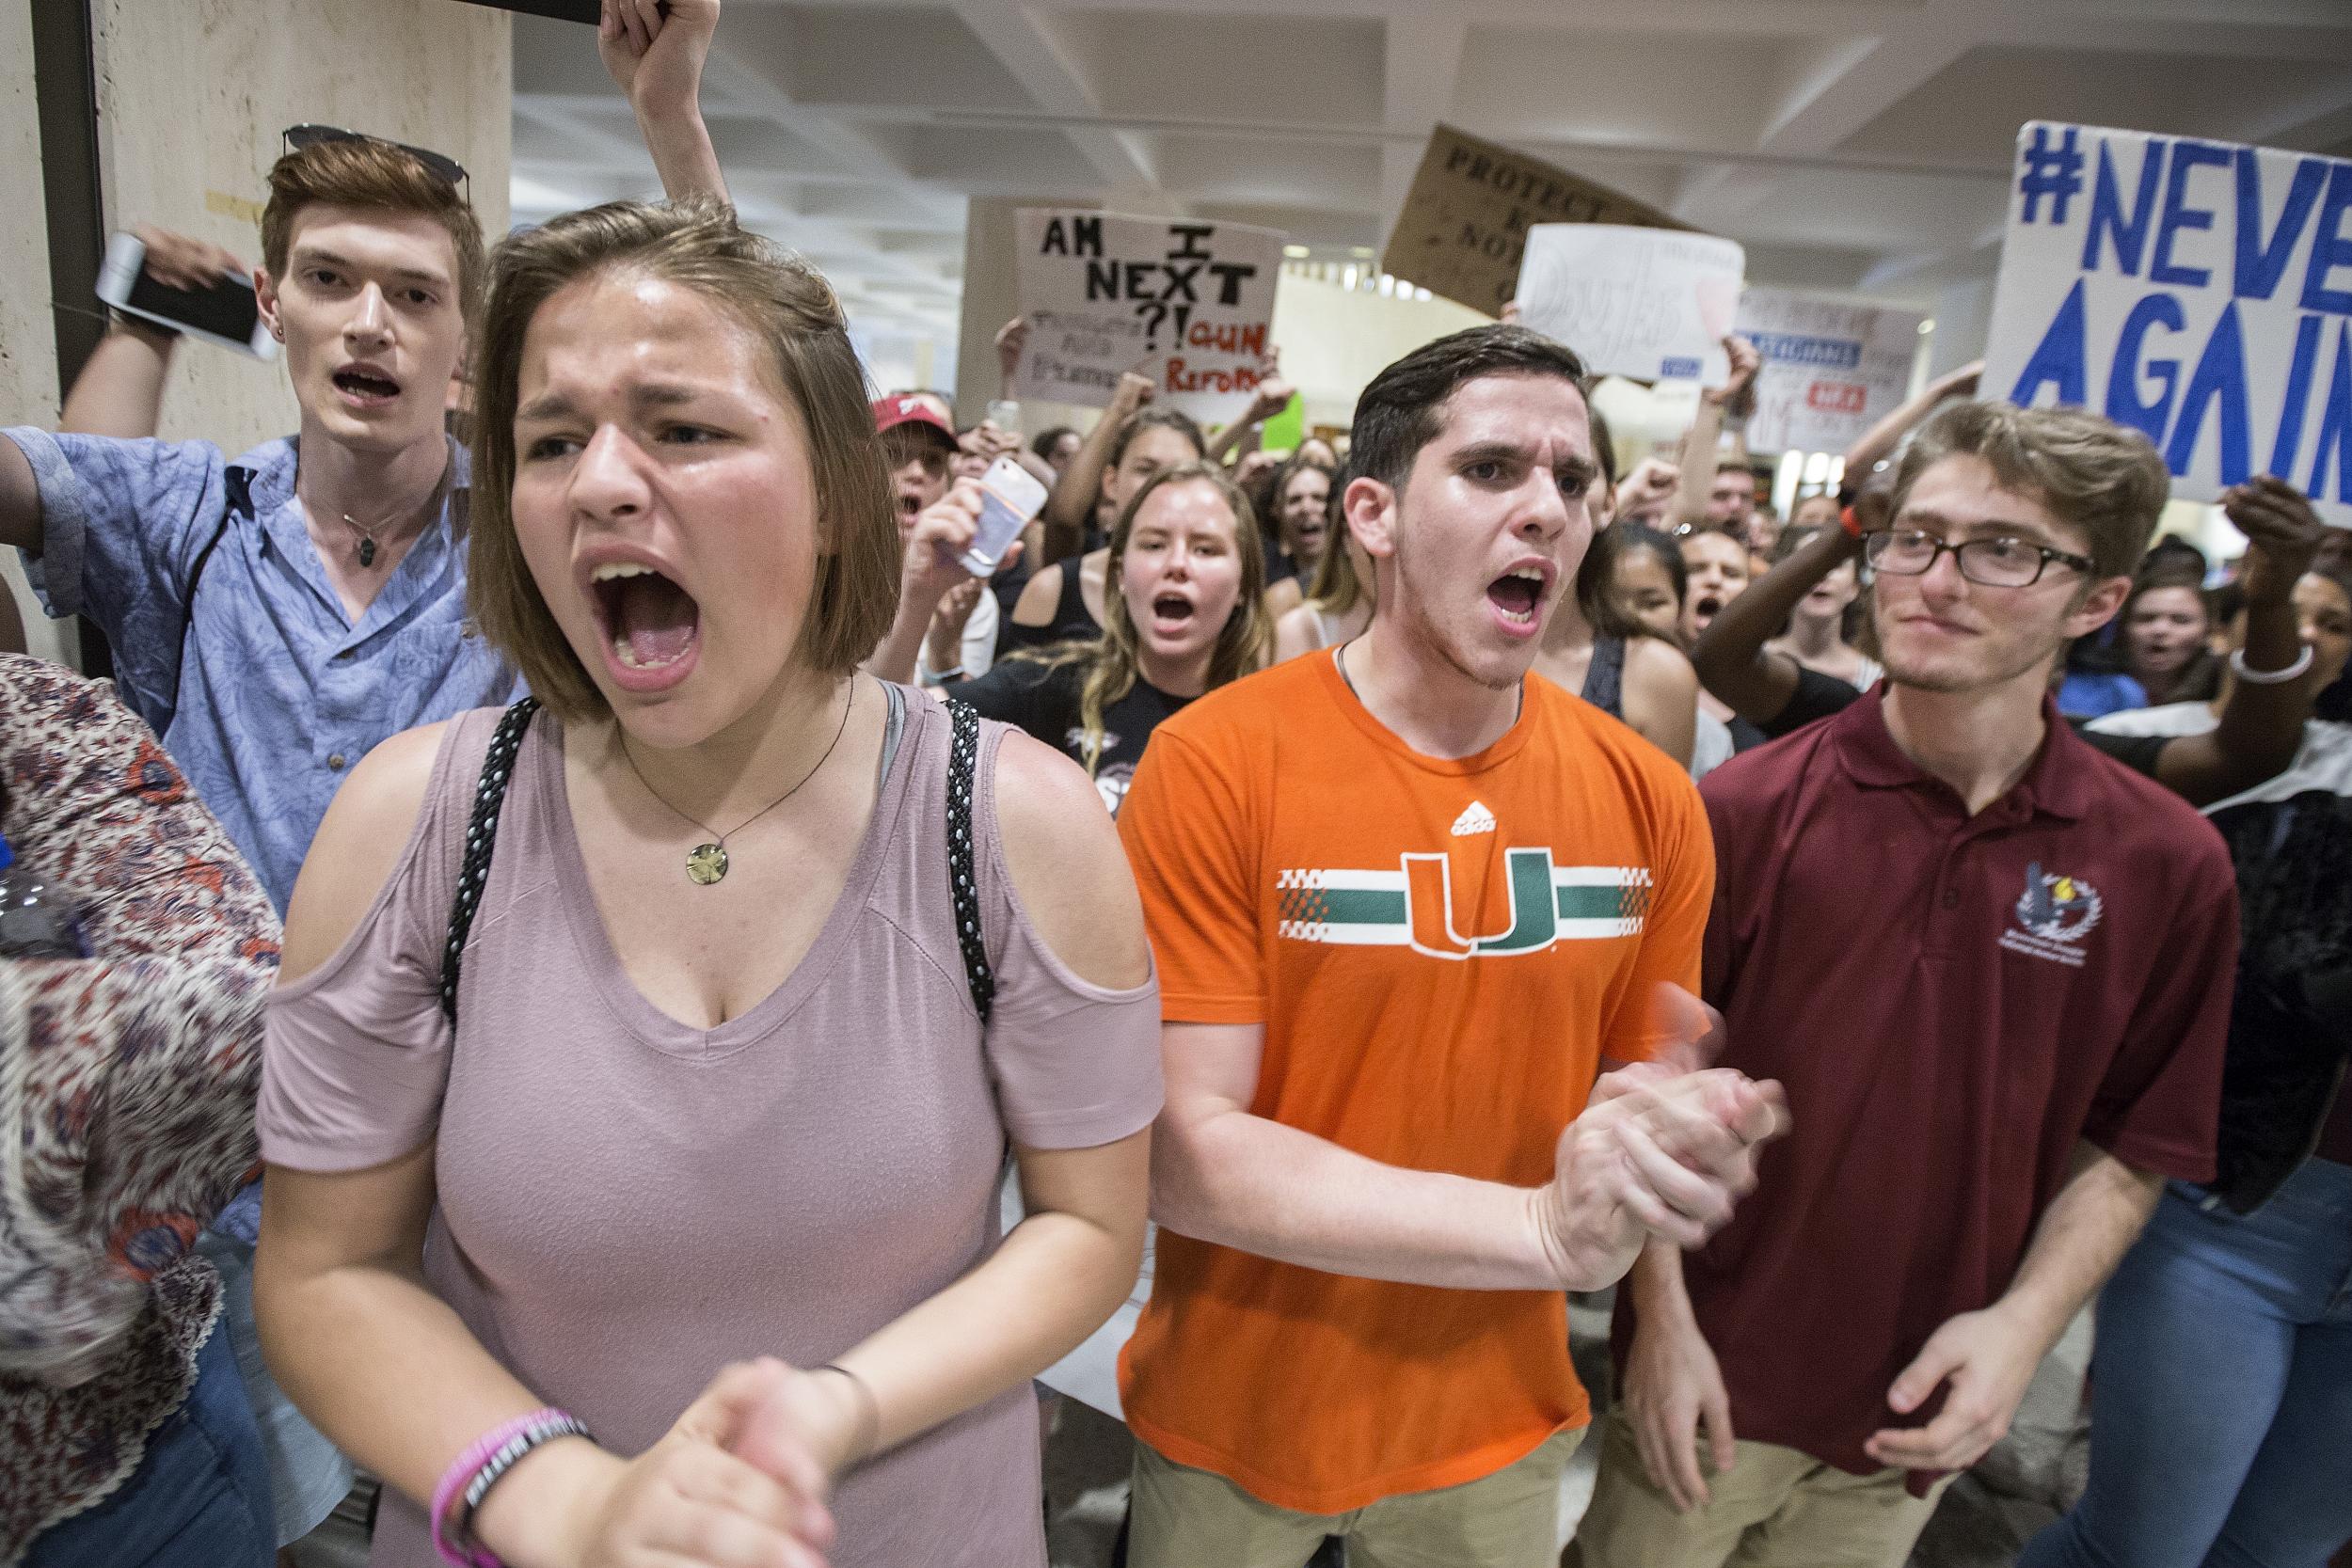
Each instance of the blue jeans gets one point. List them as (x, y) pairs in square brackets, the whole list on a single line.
[(2221, 1389), (201, 1497)]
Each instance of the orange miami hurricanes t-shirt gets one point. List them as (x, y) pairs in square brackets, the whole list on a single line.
[(1440, 952)]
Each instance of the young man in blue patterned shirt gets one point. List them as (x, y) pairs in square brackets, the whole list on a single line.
[(273, 616)]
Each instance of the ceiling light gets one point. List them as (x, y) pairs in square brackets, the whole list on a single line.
[(1926, 326), (1297, 252)]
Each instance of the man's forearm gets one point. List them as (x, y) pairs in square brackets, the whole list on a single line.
[(893, 660), (1656, 1285), (682, 153), (1245, 1182), (1698, 462), (2082, 1236), (1071, 503), (1236, 440), (19, 500), (2261, 726), (120, 390), (1883, 437)]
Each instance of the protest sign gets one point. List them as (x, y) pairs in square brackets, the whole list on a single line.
[(2200, 291), (1831, 369), (1646, 303), (1187, 302), (1463, 229)]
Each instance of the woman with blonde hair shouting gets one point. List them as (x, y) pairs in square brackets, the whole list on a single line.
[(1183, 613)]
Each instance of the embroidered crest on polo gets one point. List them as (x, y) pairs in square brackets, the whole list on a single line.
[(2054, 914), (1475, 818)]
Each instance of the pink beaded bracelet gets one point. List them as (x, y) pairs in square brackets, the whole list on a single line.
[(500, 1446)]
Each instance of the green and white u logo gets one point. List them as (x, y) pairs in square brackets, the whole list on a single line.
[(1413, 906)]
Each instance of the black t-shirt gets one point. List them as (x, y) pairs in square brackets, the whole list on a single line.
[(1817, 696), (1041, 700), (1071, 622)]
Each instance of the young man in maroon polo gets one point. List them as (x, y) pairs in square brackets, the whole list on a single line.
[(1992, 968)]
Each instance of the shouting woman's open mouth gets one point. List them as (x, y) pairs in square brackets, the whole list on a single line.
[(651, 627)]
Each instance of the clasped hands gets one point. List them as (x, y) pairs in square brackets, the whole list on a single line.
[(740, 1481), (1664, 1149)]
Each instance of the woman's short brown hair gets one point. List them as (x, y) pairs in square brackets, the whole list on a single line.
[(698, 245), (376, 176), (2104, 478)]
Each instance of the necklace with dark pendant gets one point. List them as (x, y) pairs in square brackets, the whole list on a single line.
[(367, 538), (706, 862)]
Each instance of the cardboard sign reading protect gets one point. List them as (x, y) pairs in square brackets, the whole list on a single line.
[(1463, 230), (1186, 301)]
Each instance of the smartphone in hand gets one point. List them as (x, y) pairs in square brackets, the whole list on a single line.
[(226, 313), (1010, 497)]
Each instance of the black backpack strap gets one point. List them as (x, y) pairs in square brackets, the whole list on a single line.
[(963, 761), (236, 484), (482, 833)]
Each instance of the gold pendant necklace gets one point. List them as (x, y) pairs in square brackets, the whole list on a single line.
[(706, 862)]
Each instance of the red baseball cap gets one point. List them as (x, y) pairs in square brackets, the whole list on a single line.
[(890, 413)]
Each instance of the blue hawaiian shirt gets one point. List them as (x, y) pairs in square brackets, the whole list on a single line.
[(268, 695)]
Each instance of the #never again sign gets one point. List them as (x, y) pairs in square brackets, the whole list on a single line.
[(1187, 302), (2200, 291)]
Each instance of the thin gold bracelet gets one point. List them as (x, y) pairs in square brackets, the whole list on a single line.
[(870, 1416)]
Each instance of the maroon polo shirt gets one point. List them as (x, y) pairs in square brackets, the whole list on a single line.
[(1952, 1001)]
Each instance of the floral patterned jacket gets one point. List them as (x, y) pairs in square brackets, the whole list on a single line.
[(126, 1092)]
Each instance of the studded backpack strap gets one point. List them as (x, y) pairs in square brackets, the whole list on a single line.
[(963, 762), (482, 833)]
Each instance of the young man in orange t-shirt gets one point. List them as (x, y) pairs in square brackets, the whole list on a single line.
[(1407, 904)]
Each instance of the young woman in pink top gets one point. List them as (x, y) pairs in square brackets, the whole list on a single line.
[(701, 1150)]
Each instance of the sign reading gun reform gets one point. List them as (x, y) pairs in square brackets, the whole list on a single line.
[(1106, 295), (2200, 291), (1464, 225)]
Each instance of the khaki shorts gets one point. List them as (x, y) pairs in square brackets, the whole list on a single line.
[(1189, 1518), (1776, 1508)]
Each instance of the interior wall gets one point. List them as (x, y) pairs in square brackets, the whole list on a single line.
[(28, 346), (1334, 341), (191, 98)]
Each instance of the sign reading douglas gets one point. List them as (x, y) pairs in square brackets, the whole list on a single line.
[(1463, 230), (2200, 291)]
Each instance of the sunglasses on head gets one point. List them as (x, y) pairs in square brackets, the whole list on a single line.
[(439, 165)]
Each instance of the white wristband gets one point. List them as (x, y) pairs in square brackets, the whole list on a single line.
[(2270, 677)]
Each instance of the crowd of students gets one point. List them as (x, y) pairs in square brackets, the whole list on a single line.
[(702, 895)]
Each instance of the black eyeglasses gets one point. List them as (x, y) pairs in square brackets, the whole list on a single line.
[(439, 165), (2000, 561)]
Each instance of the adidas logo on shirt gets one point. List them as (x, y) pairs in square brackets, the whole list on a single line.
[(1475, 818)]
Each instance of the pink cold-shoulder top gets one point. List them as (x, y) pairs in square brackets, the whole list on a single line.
[(627, 1203)]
